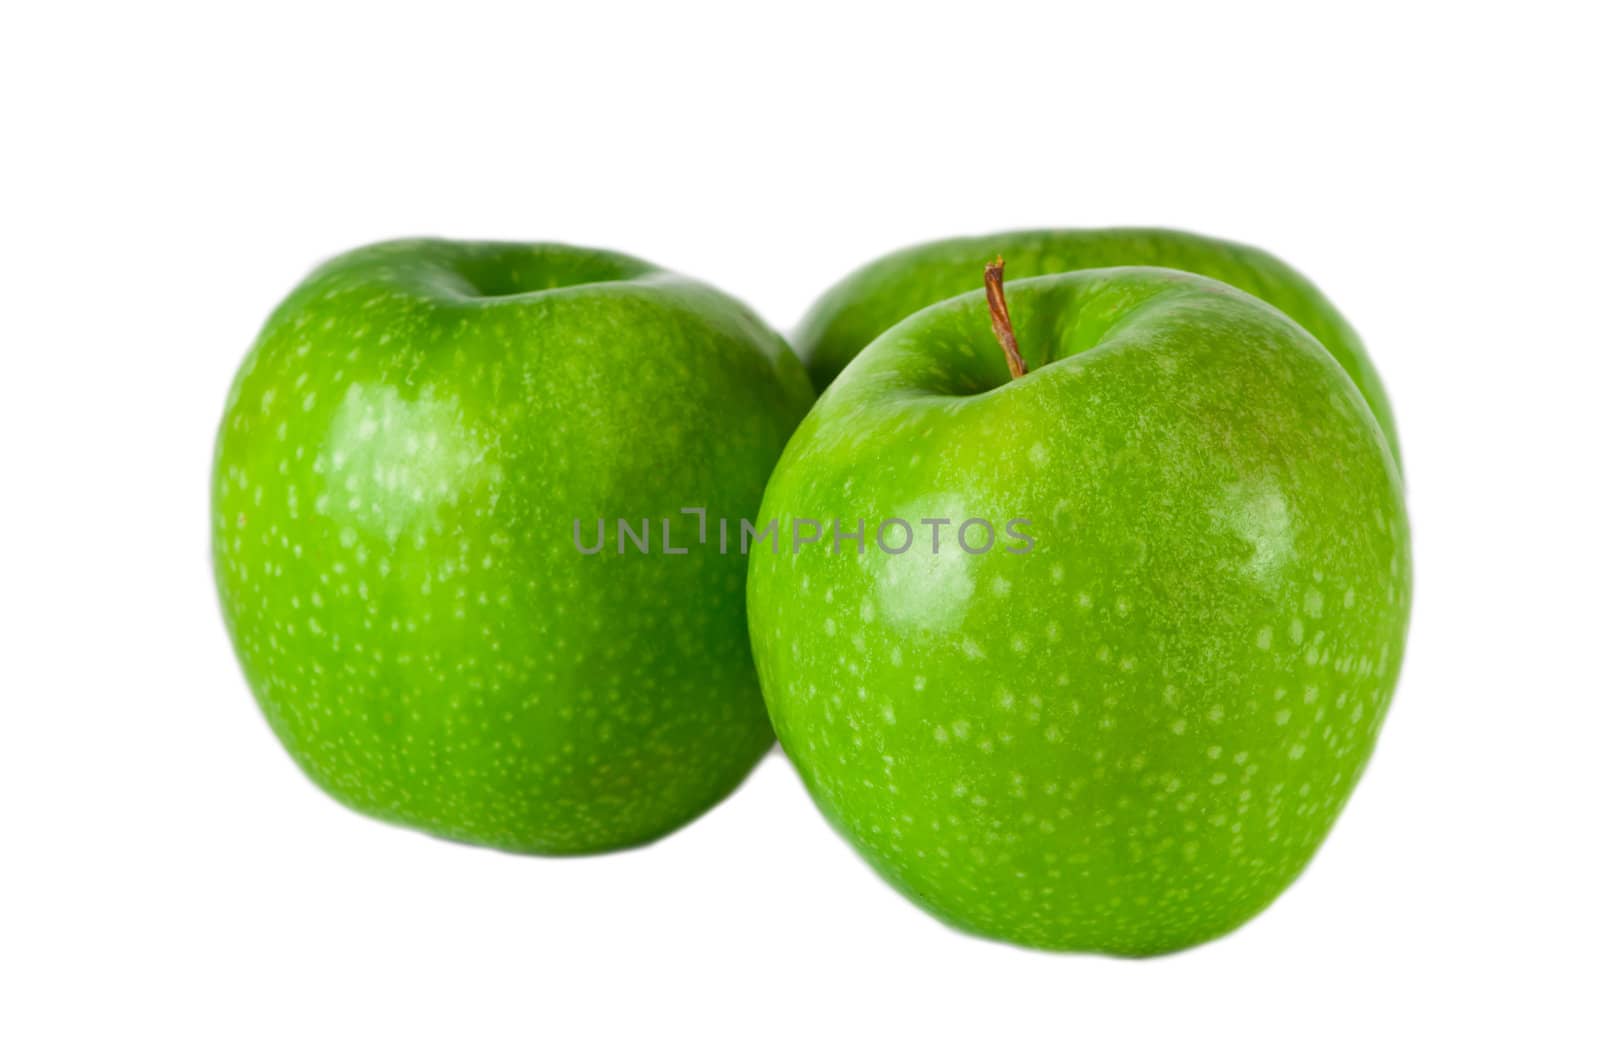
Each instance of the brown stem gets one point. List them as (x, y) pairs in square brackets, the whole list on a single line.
[(1000, 315)]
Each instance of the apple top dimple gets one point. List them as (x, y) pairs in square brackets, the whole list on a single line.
[(449, 272), (1061, 322)]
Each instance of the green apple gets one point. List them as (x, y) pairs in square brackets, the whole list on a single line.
[(1124, 717), (400, 466), (860, 307)]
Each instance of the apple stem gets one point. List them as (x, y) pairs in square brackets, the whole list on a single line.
[(1000, 316)]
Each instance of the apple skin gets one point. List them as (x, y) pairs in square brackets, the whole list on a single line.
[(399, 466), (1132, 737), (861, 306)]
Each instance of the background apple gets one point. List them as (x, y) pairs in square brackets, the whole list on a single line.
[(1131, 738), (400, 463), (859, 308)]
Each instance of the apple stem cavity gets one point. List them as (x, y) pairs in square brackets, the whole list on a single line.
[(1000, 316)]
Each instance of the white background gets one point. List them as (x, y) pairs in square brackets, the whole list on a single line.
[(172, 888)]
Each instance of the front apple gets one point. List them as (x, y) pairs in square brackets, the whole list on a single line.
[(1125, 720), (400, 465)]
